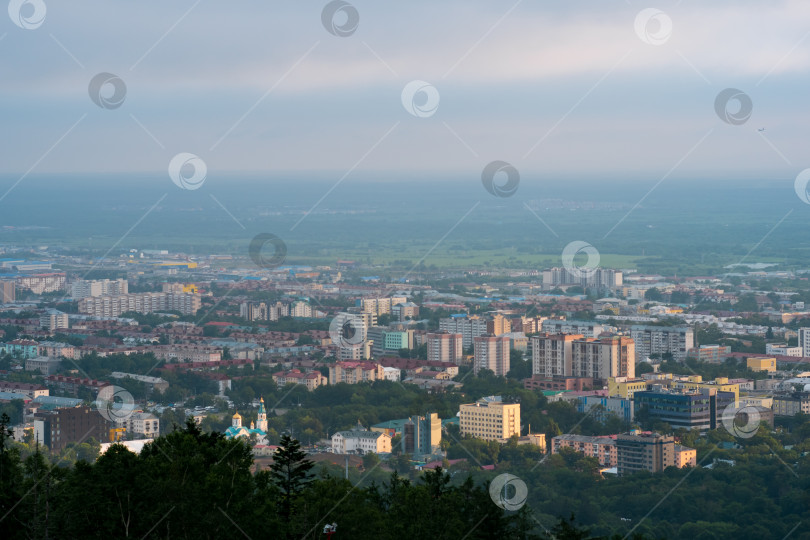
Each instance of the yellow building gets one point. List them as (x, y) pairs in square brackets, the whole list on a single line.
[(625, 387), (762, 364), (685, 457), (721, 384), (490, 419), (764, 401)]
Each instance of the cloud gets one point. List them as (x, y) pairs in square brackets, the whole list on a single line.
[(573, 74)]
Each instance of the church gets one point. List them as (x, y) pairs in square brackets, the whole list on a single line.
[(259, 428)]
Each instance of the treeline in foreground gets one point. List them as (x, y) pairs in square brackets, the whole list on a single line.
[(194, 484), (191, 484)]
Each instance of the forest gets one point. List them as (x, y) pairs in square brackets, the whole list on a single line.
[(193, 484)]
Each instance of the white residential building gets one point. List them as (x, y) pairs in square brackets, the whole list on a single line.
[(360, 441), (103, 287), (585, 328), (54, 319), (141, 423), (468, 326), (650, 340)]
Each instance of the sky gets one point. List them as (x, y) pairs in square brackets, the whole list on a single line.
[(560, 88)]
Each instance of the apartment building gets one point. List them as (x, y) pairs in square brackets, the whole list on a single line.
[(100, 287), (602, 278), (21, 348), (53, 319), (601, 448), (60, 427), (644, 451), (490, 419), (713, 354), (574, 355), (42, 283), (403, 312), (360, 441), (72, 385), (56, 349), (469, 326), (445, 347), (791, 404), (355, 372), (380, 305), (146, 425), (43, 364), (584, 328), (113, 306), (659, 340), (7, 292), (603, 358), (263, 311), (552, 355), (492, 353), (311, 380), (498, 325), (187, 353)]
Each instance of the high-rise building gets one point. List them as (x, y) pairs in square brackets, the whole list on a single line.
[(468, 326), (53, 319), (490, 419), (603, 358), (444, 347), (552, 355), (804, 341), (573, 355), (380, 306), (422, 434), (498, 325), (586, 328), (101, 287), (644, 451), (603, 278), (42, 283), (492, 353), (263, 311), (7, 292), (658, 340)]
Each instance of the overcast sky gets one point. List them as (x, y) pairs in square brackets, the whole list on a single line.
[(563, 87)]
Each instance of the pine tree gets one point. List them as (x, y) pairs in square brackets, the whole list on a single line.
[(290, 472)]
